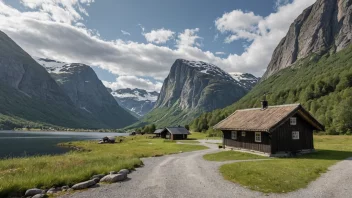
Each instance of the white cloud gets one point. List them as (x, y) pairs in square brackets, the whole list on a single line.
[(237, 19), (133, 82), (142, 28), (66, 39), (280, 3), (188, 38), (159, 36), (220, 53), (125, 33)]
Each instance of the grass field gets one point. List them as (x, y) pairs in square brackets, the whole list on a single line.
[(19, 174), (289, 174), (231, 155), (188, 141)]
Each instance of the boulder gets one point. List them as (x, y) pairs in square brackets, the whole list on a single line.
[(40, 196), (53, 191), (113, 172), (83, 185), (97, 178), (124, 172), (32, 192), (113, 178), (65, 188)]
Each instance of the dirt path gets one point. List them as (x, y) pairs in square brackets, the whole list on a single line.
[(188, 175)]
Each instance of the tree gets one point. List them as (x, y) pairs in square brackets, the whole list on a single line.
[(187, 126)]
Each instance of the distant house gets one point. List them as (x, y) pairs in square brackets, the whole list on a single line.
[(173, 133), (273, 130)]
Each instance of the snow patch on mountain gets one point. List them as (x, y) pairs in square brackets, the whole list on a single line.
[(247, 80)]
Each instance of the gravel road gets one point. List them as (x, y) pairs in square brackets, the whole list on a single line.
[(188, 175)]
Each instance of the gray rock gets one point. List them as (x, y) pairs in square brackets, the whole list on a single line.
[(113, 172), (323, 27), (40, 196), (83, 185), (53, 191), (113, 178), (97, 176), (124, 172), (32, 192), (65, 187)]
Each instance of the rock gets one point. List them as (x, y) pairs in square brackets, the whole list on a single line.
[(83, 185), (53, 191), (113, 178), (64, 188), (124, 171), (97, 178), (113, 172), (40, 196), (32, 192)]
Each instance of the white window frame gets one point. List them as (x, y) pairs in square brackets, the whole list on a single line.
[(295, 135), (234, 135), (258, 137), (243, 134), (293, 121)]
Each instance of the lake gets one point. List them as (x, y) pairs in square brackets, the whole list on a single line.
[(20, 144)]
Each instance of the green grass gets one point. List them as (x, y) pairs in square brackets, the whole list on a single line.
[(19, 174), (231, 155), (289, 174)]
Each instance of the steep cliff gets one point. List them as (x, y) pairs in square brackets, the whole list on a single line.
[(324, 27), (191, 88)]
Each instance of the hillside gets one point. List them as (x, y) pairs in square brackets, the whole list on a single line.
[(88, 93), (29, 96), (191, 88), (322, 84), (324, 27)]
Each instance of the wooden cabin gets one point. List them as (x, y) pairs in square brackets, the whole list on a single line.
[(173, 133), (273, 130)]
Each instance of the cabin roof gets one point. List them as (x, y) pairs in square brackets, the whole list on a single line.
[(178, 130), (158, 130), (266, 120)]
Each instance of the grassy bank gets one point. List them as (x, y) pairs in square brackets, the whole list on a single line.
[(231, 155), (289, 174), (19, 174)]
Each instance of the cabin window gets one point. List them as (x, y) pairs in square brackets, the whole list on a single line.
[(258, 137), (234, 135), (295, 135), (293, 121), (243, 134)]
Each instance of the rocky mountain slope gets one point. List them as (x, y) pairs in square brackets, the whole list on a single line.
[(312, 65), (248, 81), (29, 96), (324, 27), (192, 87), (138, 101), (87, 92)]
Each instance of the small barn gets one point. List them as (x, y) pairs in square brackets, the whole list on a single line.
[(274, 130), (173, 133)]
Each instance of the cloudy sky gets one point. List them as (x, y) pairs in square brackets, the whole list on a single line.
[(133, 43)]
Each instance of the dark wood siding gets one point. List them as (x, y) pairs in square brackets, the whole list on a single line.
[(282, 136), (248, 141), (179, 137)]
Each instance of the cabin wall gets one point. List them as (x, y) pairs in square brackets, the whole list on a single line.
[(248, 141), (282, 140), (179, 137)]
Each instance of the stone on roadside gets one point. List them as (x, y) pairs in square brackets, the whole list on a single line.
[(113, 172), (97, 178), (113, 178), (64, 188), (40, 196), (32, 192), (83, 185), (124, 172)]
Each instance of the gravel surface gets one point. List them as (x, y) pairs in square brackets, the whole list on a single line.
[(188, 175)]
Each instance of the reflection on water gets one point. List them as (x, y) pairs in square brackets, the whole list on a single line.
[(19, 144)]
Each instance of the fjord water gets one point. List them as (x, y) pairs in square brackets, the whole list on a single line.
[(21, 144)]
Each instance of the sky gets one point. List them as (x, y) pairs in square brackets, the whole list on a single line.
[(133, 43)]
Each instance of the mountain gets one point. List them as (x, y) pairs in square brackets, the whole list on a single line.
[(29, 96), (87, 92), (324, 27), (191, 88), (248, 81), (315, 70), (138, 101)]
